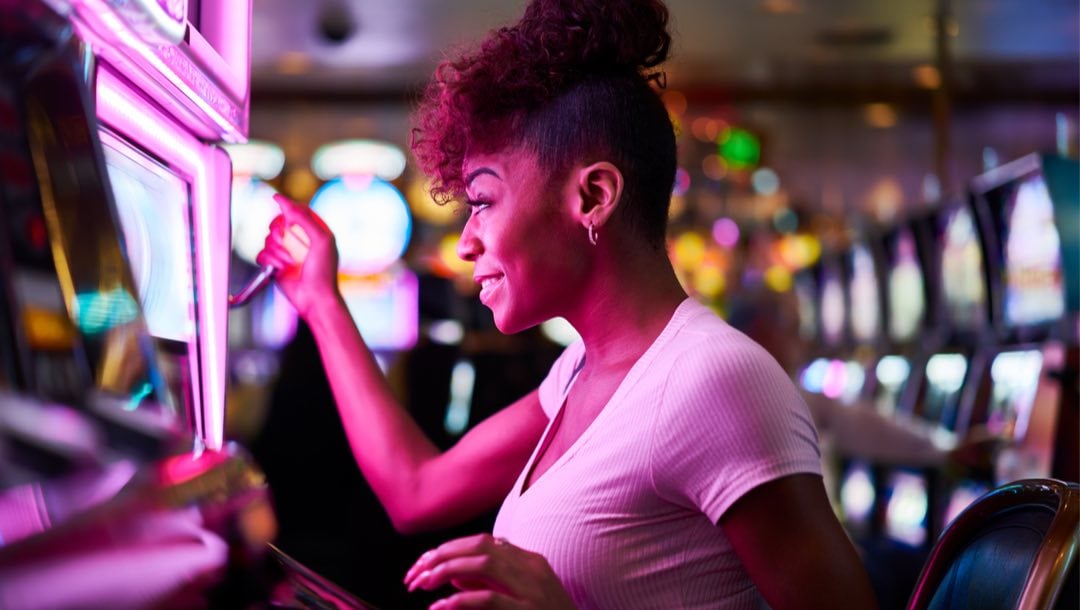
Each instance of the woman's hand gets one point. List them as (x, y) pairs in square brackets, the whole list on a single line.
[(489, 573), (302, 248)]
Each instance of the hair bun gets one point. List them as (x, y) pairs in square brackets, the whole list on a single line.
[(596, 35)]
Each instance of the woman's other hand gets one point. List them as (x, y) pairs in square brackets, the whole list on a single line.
[(489, 573), (302, 248)]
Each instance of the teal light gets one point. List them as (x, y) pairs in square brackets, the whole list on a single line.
[(97, 312), (138, 397)]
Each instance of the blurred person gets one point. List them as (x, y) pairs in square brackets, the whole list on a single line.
[(666, 461)]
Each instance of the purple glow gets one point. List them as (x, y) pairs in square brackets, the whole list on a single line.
[(725, 232), (682, 182), (208, 169), (385, 308)]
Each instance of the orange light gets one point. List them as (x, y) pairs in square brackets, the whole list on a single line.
[(880, 115), (675, 102), (48, 330)]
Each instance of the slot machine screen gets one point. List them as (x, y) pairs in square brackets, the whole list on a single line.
[(1034, 291), (1014, 377), (806, 298), (865, 314), (907, 508), (945, 374), (963, 283), (153, 204), (892, 373), (857, 496), (906, 287), (833, 307)]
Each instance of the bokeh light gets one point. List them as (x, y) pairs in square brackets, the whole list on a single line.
[(725, 232), (369, 219)]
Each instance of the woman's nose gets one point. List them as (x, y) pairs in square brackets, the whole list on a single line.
[(468, 247)]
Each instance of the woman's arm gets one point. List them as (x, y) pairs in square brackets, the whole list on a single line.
[(419, 486), (794, 549)]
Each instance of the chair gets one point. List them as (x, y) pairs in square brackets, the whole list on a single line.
[(1012, 548)]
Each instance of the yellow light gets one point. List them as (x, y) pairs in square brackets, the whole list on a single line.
[(778, 279), (709, 281), (688, 251), (418, 194), (300, 184), (798, 251), (449, 258)]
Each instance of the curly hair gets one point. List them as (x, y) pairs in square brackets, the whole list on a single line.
[(571, 81)]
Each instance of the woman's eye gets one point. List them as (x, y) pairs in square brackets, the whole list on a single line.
[(475, 205)]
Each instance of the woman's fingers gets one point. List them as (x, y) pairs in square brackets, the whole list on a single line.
[(469, 572), (275, 255), (476, 599), (301, 215), (469, 545)]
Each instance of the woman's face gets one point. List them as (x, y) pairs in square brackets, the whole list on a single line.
[(523, 238)]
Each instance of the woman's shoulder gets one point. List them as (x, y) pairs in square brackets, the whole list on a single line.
[(706, 336)]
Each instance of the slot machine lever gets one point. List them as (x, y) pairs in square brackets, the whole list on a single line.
[(254, 286), (297, 243)]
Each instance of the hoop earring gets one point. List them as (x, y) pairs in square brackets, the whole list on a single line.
[(592, 234)]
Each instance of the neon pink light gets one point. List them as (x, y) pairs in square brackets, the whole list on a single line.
[(126, 111), (227, 28), (835, 379), (185, 78)]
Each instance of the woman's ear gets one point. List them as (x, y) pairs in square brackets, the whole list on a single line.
[(600, 187)]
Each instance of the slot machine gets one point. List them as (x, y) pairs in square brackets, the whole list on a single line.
[(894, 287), (939, 392), (1029, 212), (117, 488)]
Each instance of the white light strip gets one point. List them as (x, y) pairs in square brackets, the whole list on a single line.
[(119, 106)]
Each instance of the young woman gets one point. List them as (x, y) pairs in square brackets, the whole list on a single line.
[(666, 461)]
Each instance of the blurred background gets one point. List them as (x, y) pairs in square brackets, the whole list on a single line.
[(885, 195), (806, 131)]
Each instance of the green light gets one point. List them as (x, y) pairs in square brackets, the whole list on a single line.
[(740, 148)]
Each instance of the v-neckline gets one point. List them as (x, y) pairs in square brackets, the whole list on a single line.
[(627, 381)]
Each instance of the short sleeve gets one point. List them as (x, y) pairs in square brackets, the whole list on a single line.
[(729, 420), (554, 387)]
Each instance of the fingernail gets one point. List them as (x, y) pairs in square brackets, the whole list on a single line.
[(439, 605), (419, 580)]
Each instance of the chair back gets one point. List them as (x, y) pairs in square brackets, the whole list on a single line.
[(1013, 549)]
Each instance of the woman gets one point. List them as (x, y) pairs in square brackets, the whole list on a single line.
[(666, 461)]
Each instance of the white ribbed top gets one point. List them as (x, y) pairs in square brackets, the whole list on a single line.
[(626, 517)]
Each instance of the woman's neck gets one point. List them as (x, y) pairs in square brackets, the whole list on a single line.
[(626, 307)]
